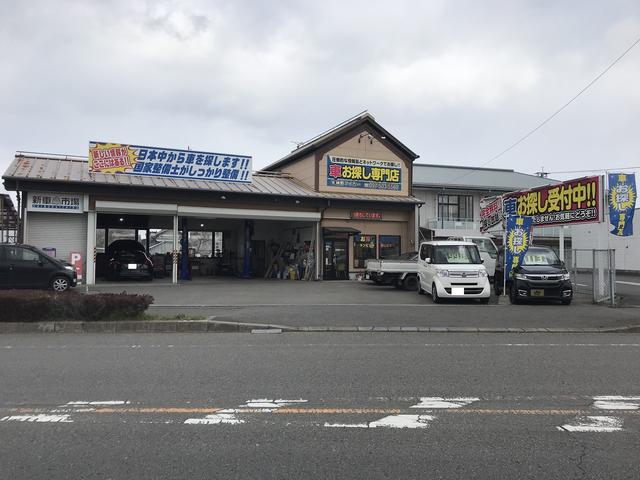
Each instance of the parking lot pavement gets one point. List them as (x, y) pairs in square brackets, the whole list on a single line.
[(627, 288), (362, 304)]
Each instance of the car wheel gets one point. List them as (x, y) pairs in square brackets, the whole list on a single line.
[(434, 294), (484, 300), (420, 290), (410, 282), (60, 284), (513, 298)]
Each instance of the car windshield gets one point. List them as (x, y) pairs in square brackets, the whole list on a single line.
[(456, 254), (540, 257), (486, 245)]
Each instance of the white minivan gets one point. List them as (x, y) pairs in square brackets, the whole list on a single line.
[(452, 269)]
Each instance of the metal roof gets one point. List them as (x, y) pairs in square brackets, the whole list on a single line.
[(472, 178), (74, 170), (334, 132)]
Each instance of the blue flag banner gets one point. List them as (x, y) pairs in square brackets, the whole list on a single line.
[(622, 203), (518, 241)]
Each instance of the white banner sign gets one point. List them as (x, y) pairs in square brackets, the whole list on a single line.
[(54, 202)]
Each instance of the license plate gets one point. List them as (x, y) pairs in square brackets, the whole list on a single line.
[(132, 266), (457, 291), (366, 276), (537, 293)]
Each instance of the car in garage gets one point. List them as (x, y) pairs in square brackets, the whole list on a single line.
[(127, 259), (25, 266), (542, 276)]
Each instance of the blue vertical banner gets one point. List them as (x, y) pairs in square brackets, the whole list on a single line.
[(622, 203), (518, 241)]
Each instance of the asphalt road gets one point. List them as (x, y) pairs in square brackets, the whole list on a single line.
[(320, 406)]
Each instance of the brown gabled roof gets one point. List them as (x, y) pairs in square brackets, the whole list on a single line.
[(364, 118), (66, 170)]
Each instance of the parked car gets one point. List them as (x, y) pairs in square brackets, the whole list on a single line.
[(399, 271), (25, 266), (542, 276), (488, 250), (452, 269), (128, 259)]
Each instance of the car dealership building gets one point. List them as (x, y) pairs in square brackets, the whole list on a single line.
[(318, 213)]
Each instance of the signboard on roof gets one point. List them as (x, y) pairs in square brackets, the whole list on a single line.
[(363, 173), (570, 202), (168, 162)]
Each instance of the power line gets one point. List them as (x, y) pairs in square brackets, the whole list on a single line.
[(596, 170), (554, 114)]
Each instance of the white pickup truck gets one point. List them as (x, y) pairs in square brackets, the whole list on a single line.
[(400, 271)]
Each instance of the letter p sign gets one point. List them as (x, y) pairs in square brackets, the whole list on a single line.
[(76, 260)]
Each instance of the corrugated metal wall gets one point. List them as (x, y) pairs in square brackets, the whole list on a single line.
[(66, 232)]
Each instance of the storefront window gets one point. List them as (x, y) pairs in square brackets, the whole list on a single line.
[(121, 234), (389, 246), (201, 244), (364, 248)]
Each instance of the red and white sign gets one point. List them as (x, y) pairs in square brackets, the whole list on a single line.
[(75, 259)]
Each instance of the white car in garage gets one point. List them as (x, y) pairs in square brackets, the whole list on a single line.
[(452, 269)]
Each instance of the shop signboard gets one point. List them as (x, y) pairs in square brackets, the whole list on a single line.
[(622, 203), (364, 173), (54, 202), (571, 202), (365, 215), (490, 213), (75, 259), (168, 162)]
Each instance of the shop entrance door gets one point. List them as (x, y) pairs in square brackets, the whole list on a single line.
[(336, 259)]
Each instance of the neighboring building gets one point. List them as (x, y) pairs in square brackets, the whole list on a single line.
[(334, 202), (452, 195), (8, 219), (597, 236)]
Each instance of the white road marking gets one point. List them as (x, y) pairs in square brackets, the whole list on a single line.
[(224, 416), (102, 403), (593, 424), (616, 402), (635, 284), (441, 402), (41, 418), (582, 285), (391, 421), (271, 404)]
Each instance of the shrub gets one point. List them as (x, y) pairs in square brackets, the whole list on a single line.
[(43, 305)]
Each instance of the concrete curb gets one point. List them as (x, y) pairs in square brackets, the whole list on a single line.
[(216, 326)]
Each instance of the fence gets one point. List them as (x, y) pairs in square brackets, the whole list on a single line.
[(594, 273)]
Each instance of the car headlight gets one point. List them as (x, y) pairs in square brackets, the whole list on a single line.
[(520, 276), (69, 267), (442, 273), (566, 276), (483, 273)]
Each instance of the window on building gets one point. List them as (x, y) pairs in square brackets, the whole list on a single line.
[(457, 208), (389, 246), (364, 248), (121, 234), (201, 244)]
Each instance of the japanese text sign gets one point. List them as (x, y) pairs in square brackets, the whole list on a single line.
[(365, 215), (363, 173), (518, 241), (54, 202), (167, 162), (622, 203), (490, 212), (573, 201)]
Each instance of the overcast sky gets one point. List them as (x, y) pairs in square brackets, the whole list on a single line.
[(457, 81)]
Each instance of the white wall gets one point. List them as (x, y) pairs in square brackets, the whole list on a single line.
[(597, 236)]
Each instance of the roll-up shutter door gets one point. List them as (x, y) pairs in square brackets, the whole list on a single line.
[(66, 232)]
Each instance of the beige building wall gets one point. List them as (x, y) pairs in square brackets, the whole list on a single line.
[(393, 223), (364, 150), (303, 170)]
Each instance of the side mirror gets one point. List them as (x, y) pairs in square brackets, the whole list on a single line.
[(482, 260), (427, 260)]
